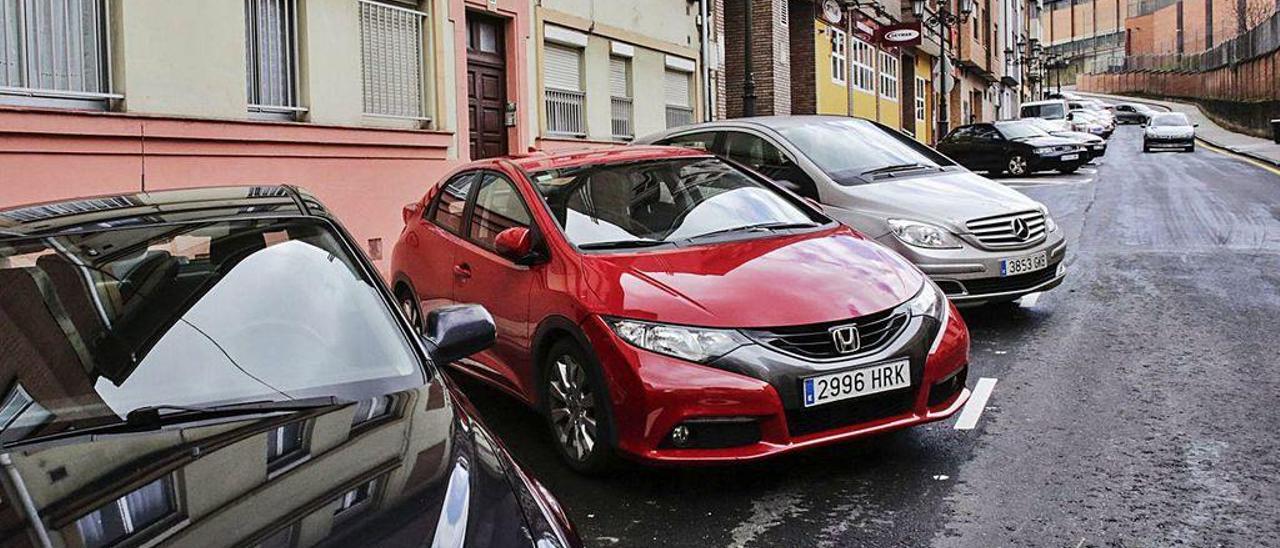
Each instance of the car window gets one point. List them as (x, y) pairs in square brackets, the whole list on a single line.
[(451, 203), (961, 134), (705, 140), (846, 149), (1170, 119), (498, 207), (761, 155), (986, 133)]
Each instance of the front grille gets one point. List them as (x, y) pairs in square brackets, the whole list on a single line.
[(1017, 282), (1002, 231), (875, 331), (849, 412)]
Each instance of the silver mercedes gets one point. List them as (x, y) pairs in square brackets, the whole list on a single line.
[(979, 240)]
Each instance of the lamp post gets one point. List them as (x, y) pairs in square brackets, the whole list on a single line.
[(748, 73), (944, 20)]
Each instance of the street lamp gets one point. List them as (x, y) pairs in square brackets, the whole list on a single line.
[(944, 20)]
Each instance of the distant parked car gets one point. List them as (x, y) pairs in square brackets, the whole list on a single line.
[(1097, 146), (1054, 109), (1063, 95), (1169, 130), (962, 229), (1088, 121), (1016, 148), (223, 367), (663, 305), (1133, 113)]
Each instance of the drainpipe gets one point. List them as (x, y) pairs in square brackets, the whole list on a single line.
[(708, 105), (24, 496)]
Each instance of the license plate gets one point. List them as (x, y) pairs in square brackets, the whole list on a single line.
[(1022, 265), (857, 382), (1070, 157)]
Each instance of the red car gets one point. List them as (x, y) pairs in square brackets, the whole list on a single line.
[(667, 306)]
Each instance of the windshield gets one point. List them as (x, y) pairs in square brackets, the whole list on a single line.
[(101, 323), (1173, 119), (1048, 111), (1020, 130), (660, 201), (846, 149)]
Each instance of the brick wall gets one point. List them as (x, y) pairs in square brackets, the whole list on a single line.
[(1165, 29), (804, 95), (770, 58), (1141, 37)]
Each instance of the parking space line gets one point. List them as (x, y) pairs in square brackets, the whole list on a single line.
[(1029, 301), (977, 404)]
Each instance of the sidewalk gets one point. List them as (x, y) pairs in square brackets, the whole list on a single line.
[(1259, 149)]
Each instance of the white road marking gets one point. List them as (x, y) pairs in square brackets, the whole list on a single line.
[(1029, 301), (977, 403)]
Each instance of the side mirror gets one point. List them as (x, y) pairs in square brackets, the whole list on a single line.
[(515, 243), (411, 210), (455, 332)]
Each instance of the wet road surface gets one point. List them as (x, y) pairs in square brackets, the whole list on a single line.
[(1136, 404)]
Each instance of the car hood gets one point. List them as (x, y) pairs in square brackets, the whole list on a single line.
[(778, 280), (426, 472), (945, 199), (1079, 136)]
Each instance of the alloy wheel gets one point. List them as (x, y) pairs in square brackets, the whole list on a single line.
[(1017, 165), (572, 408)]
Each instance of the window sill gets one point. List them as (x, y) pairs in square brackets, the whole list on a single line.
[(283, 468)]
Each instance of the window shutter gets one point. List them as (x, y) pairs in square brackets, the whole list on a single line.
[(677, 88), (618, 81), (391, 49), (562, 68)]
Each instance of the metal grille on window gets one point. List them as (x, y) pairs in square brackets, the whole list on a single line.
[(620, 92), (562, 80), (54, 53), (676, 90), (391, 42), (271, 57)]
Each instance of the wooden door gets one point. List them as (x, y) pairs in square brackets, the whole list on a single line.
[(486, 86)]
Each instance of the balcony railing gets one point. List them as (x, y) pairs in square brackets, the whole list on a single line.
[(679, 116), (621, 121), (566, 114)]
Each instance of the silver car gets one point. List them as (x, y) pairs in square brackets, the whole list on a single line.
[(980, 241)]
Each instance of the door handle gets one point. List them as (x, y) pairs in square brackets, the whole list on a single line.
[(462, 270)]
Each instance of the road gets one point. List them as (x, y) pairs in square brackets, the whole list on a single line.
[(1135, 405)]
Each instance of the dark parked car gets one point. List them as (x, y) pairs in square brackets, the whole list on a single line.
[(220, 367), (1133, 113), (1016, 149), (1096, 145)]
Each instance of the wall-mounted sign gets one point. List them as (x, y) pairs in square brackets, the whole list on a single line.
[(900, 35), (832, 11)]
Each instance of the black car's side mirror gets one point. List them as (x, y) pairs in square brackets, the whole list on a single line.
[(455, 332)]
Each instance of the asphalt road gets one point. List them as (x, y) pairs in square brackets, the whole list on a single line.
[(1136, 404)]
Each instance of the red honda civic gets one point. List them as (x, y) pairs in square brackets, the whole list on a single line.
[(664, 305)]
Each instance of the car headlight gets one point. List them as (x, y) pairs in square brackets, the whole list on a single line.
[(932, 302), (696, 344), (1049, 224), (924, 235), (1043, 151)]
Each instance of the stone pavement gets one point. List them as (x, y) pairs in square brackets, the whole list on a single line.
[(1259, 149)]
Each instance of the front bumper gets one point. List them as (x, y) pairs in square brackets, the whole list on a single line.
[(1168, 142), (1059, 161), (970, 276), (756, 385)]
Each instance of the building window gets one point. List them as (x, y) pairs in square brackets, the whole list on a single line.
[(271, 57), (54, 53), (864, 73), (839, 56), (920, 98), (620, 98), (284, 538), (19, 413), (889, 76), (679, 106), (562, 83), (391, 54), (372, 409), (285, 445), (353, 501), (128, 515)]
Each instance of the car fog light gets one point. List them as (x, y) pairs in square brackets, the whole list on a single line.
[(1062, 268), (680, 436)]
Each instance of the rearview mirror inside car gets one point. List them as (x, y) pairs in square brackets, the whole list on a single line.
[(455, 332)]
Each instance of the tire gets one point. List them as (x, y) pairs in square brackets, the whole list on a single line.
[(575, 406), (1016, 165), (1146, 147), (409, 307), (1190, 148)]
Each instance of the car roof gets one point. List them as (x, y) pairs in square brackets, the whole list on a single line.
[(156, 207), (539, 161), (1045, 102)]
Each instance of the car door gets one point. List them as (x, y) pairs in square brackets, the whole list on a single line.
[(432, 239), (990, 148), (769, 160), (959, 146), (482, 276)]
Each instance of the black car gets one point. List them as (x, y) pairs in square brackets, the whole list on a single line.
[(1016, 148), (222, 367), (1133, 113)]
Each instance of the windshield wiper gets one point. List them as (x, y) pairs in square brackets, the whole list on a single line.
[(154, 417), (895, 168), (759, 227), (620, 244)]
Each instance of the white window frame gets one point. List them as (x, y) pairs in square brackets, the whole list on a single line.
[(281, 462), (863, 69), (921, 99), (30, 93), (839, 56), (567, 108), (419, 53), (889, 67), (347, 502), (121, 505), (256, 66)]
